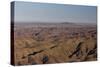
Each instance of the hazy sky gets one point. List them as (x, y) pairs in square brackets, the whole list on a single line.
[(45, 12)]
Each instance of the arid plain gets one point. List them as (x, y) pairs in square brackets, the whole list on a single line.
[(46, 43)]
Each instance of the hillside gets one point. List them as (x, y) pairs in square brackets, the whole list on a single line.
[(54, 43)]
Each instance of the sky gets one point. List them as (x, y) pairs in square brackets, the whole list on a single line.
[(46, 12)]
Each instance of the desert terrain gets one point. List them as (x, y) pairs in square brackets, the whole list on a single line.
[(46, 43)]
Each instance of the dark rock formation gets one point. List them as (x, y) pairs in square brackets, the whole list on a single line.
[(45, 59), (77, 51)]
